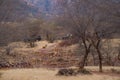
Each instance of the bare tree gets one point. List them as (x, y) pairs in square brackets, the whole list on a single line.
[(79, 25), (88, 20), (119, 52)]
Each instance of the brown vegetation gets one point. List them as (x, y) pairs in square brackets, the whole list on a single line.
[(53, 55), (75, 33)]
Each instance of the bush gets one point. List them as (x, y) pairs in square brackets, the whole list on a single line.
[(60, 60), (115, 71), (66, 72), (67, 42), (10, 47), (4, 64), (72, 72), (83, 71)]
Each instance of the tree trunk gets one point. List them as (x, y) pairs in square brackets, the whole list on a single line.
[(119, 55), (93, 59), (81, 65), (100, 60)]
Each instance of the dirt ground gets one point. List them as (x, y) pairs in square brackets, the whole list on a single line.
[(50, 74)]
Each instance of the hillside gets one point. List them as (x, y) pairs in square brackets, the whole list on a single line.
[(59, 54), (13, 10), (43, 5)]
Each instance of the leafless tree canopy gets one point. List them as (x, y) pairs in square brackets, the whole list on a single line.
[(91, 21)]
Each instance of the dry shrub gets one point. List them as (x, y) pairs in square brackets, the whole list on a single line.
[(83, 71), (17, 45), (66, 72), (14, 45), (73, 72), (115, 71), (4, 64), (67, 42), (61, 60)]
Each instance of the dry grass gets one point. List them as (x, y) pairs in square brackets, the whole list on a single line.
[(0, 74), (47, 74), (113, 42), (105, 68)]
